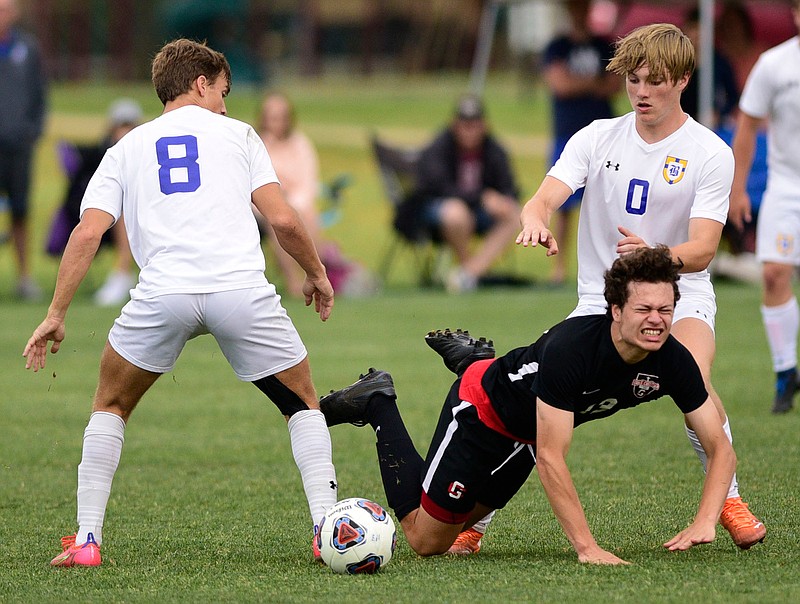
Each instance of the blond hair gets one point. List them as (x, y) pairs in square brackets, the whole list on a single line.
[(664, 48)]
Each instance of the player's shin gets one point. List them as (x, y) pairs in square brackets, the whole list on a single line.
[(400, 464), (102, 447), (311, 448)]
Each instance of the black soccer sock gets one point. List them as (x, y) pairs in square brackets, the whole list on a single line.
[(400, 464)]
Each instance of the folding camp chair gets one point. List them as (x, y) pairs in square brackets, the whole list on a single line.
[(398, 169)]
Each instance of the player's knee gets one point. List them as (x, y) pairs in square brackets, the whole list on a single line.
[(425, 547), (285, 399)]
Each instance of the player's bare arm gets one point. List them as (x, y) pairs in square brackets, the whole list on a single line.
[(553, 437), (293, 237), (744, 148), (698, 252), (695, 254), (78, 255), (535, 215), (721, 467)]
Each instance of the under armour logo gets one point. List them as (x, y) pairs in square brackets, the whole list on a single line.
[(334, 486), (610, 165)]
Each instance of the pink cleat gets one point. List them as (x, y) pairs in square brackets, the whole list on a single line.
[(87, 554), (315, 545)]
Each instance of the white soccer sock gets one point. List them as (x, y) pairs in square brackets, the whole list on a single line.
[(483, 523), (102, 446), (733, 491), (782, 324), (311, 448)]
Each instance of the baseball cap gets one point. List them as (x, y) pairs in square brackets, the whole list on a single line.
[(124, 111), (469, 107)]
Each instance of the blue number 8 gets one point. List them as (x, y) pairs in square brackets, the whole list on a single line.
[(178, 174), (632, 204)]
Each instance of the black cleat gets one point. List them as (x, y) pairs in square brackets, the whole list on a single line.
[(459, 349), (785, 389), (349, 405)]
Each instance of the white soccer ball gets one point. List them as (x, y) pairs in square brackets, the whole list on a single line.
[(357, 536)]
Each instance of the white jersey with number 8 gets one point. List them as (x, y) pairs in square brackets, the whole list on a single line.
[(183, 184)]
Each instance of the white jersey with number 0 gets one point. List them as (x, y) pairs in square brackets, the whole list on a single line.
[(183, 184), (651, 189)]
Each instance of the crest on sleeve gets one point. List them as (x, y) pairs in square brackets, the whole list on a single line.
[(674, 169), (645, 384)]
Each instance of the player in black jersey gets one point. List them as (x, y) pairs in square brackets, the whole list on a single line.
[(505, 415)]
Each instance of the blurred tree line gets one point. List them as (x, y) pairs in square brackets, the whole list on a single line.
[(116, 39)]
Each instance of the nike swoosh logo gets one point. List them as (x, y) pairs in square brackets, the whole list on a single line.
[(591, 391)]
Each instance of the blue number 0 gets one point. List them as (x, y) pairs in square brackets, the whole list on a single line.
[(637, 196), (178, 174)]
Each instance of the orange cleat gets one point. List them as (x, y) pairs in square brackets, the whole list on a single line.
[(315, 545), (468, 542), (746, 530), (86, 554)]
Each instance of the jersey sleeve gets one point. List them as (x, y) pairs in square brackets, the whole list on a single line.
[(558, 380), (712, 197), (262, 172), (757, 94), (572, 168), (105, 190), (686, 382)]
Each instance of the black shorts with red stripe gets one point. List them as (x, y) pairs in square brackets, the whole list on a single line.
[(469, 463)]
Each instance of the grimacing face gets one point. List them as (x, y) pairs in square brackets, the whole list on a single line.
[(643, 324)]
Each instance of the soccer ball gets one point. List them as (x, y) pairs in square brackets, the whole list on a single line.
[(356, 536)]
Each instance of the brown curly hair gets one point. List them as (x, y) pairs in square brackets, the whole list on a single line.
[(643, 265)]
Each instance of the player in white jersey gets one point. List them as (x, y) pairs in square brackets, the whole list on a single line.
[(652, 176), (184, 183), (772, 94)]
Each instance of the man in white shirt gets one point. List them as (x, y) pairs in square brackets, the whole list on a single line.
[(652, 176), (184, 183), (772, 94)]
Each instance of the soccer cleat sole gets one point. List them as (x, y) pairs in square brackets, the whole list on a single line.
[(459, 349)]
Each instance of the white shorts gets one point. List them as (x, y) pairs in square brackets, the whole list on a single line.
[(251, 327), (778, 230), (697, 302)]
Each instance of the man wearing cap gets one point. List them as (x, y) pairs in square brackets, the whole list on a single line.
[(80, 163), (465, 187)]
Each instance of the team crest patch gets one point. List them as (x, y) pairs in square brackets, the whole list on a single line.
[(784, 244), (645, 384), (674, 169)]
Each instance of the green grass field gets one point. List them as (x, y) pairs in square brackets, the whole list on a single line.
[(207, 504)]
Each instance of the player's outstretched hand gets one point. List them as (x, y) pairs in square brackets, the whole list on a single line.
[(630, 241), (598, 555), (535, 234), (320, 292), (35, 353), (692, 535)]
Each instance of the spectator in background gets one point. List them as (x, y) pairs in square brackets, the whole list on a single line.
[(738, 261), (574, 68), (465, 186), (22, 91), (725, 94), (772, 96), (297, 165), (80, 163), (736, 40)]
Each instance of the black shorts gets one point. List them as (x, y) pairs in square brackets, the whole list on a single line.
[(469, 463), (15, 174)]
